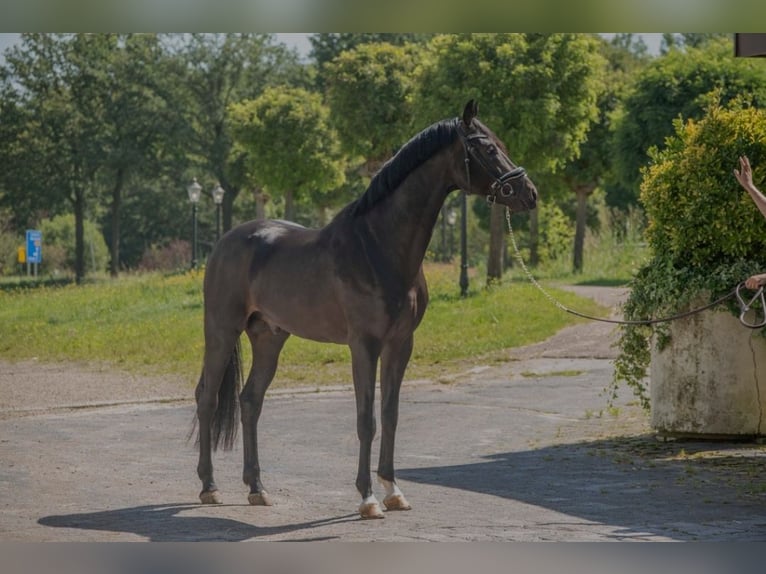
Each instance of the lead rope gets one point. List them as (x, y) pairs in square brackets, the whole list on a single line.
[(744, 306)]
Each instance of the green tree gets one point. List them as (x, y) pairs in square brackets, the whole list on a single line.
[(59, 245), (381, 76), (217, 71), (592, 168), (538, 92), (90, 112), (325, 47), (141, 124), (690, 40), (674, 86), (56, 83), (293, 150)]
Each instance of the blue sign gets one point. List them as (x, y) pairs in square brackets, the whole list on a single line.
[(34, 246)]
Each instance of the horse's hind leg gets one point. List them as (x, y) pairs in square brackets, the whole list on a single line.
[(219, 368), (266, 348), (394, 359)]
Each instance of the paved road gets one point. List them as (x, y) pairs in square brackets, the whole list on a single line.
[(519, 451)]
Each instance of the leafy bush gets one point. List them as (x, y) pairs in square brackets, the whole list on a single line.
[(704, 232), (9, 244), (58, 248), (171, 257)]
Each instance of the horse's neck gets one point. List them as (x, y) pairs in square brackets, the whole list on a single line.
[(406, 220)]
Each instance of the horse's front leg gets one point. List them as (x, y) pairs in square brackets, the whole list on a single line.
[(394, 359), (364, 361)]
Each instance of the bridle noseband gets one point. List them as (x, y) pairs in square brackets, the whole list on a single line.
[(503, 182)]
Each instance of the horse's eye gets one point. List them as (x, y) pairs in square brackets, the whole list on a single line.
[(492, 149)]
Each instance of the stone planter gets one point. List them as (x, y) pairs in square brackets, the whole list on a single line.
[(710, 380)]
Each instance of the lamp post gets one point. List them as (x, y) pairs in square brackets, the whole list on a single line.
[(464, 245), (194, 189), (451, 220), (218, 192)]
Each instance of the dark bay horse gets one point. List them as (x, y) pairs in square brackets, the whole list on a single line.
[(358, 281)]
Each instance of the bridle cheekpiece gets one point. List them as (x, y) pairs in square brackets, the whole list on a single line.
[(503, 182)]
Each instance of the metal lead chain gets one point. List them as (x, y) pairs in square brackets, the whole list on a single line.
[(744, 305)]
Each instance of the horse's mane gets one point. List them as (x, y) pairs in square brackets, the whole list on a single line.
[(410, 156)]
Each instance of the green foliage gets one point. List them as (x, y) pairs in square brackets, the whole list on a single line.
[(704, 231), (291, 145), (615, 249), (537, 91), (676, 86), (9, 243), (556, 232), (380, 77), (210, 73), (59, 246)]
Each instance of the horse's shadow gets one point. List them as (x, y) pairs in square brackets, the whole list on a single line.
[(684, 490), (167, 523)]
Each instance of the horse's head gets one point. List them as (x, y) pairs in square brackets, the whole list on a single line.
[(488, 169)]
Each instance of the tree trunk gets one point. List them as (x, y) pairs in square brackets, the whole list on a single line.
[(289, 206), (534, 238), (227, 207), (114, 264), (582, 191), (79, 234), (496, 236), (260, 203)]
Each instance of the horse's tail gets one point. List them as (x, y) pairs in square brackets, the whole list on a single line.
[(223, 428)]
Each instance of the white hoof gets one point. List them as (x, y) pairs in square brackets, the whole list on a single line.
[(394, 499), (259, 498), (396, 502), (210, 497), (370, 508)]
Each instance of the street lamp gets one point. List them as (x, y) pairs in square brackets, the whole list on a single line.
[(194, 189), (218, 192), (464, 245), (451, 220)]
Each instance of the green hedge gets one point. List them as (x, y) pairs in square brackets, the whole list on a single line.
[(704, 232)]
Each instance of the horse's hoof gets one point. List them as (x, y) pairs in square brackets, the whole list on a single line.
[(370, 509), (210, 497), (259, 498), (396, 502)]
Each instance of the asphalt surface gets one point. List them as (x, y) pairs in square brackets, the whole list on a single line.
[(524, 450)]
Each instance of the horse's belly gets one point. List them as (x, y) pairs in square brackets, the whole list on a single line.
[(308, 323)]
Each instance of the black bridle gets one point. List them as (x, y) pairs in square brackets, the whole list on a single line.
[(503, 181)]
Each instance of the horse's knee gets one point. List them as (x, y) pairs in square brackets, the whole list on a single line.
[(366, 425)]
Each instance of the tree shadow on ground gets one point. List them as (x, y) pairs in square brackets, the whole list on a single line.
[(167, 523), (683, 490)]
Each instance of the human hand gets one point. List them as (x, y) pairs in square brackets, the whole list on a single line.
[(756, 281), (745, 174)]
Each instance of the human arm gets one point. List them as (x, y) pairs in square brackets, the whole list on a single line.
[(745, 178)]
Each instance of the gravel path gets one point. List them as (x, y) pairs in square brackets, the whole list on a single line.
[(523, 450)]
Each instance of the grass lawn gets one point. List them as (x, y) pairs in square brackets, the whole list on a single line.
[(153, 324)]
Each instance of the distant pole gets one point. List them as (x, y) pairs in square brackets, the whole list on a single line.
[(218, 193), (464, 245), (194, 189)]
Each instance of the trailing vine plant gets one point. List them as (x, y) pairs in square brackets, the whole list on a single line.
[(704, 233)]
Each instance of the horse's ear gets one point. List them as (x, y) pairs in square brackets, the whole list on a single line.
[(470, 111)]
